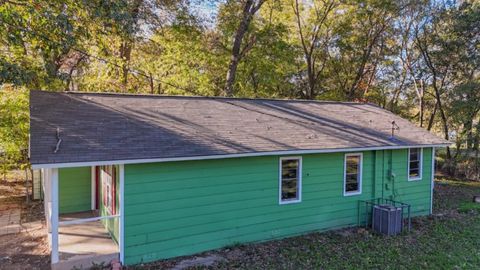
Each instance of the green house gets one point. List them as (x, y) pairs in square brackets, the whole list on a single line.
[(167, 176)]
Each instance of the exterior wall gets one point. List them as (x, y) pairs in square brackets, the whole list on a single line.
[(181, 208), (110, 224), (417, 192), (74, 188)]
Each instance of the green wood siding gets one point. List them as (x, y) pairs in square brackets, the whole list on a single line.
[(74, 189), (180, 208), (416, 193)]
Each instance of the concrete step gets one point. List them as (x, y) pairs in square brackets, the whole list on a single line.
[(85, 261)]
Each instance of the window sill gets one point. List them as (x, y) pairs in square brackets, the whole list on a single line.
[(289, 202), (347, 194), (414, 179)]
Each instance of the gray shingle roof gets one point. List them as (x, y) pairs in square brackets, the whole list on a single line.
[(106, 127)]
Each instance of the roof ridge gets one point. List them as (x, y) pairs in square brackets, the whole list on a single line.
[(199, 97)]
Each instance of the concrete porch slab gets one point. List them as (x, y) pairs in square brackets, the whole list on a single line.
[(85, 261), (80, 245)]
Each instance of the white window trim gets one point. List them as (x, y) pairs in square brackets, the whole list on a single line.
[(299, 158), (420, 169), (360, 180)]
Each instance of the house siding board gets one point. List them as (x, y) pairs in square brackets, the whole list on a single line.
[(180, 208), (74, 189)]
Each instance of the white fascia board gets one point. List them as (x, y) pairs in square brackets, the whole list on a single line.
[(254, 154)]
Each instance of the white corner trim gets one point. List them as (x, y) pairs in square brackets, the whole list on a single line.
[(360, 180), (254, 154), (420, 166), (432, 184), (299, 181), (122, 213)]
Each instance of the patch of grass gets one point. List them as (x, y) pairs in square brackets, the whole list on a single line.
[(469, 207), (449, 239), (450, 193)]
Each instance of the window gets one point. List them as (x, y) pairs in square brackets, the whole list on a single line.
[(415, 164), (290, 190), (108, 182), (353, 174)]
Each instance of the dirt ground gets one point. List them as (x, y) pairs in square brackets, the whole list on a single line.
[(27, 249)]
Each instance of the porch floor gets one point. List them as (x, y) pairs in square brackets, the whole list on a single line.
[(80, 245)]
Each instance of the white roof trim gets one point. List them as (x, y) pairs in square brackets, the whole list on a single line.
[(255, 154)]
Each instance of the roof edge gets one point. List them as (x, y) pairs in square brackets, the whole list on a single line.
[(252, 154), (147, 95)]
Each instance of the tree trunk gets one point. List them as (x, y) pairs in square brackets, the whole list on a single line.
[(249, 10), (127, 44), (421, 96), (152, 86), (468, 128), (367, 52), (422, 110), (442, 115), (311, 79), (436, 88), (310, 45), (432, 117), (159, 88), (125, 55)]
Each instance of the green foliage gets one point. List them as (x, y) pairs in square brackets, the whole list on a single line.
[(267, 69), (36, 38), (14, 127), (405, 56)]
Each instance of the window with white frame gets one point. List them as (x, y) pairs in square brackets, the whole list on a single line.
[(290, 180), (353, 174), (415, 163)]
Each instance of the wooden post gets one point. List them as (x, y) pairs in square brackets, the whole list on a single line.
[(27, 194), (54, 215)]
